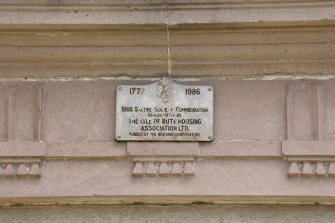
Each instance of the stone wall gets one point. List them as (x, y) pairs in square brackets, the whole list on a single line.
[(271, 64), (272, 142)]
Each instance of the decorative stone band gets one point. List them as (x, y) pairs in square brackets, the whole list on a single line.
[(310, 158), (163, 158), (163, 167), (20, 169), (19, 159), (312, 168)]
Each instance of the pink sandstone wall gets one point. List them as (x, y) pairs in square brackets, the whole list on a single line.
[(271, 64), (263, 131)]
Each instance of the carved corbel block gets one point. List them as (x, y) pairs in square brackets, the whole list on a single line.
[(163, 166), (310, 158), (21, 159), (21, 167), (311, 168), (163, 159)]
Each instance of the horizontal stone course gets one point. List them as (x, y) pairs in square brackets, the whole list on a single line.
[(195, 51)]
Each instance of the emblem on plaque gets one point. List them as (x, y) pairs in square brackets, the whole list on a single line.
[(164, 89)]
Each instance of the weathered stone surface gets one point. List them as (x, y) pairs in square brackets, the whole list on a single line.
[(195, 51), (60, 63), (175, 213), (309, 148), (228, 180), (163, 148), (22, 149), (85, 111), (70, 128), (162, 12)]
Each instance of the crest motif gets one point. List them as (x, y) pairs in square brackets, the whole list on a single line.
[(164, 89)]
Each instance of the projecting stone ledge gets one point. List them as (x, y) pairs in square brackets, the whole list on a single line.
[(162, 12)]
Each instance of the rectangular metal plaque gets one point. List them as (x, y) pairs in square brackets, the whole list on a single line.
[(164, 111)]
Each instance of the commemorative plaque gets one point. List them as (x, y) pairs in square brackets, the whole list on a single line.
[(164, 111)]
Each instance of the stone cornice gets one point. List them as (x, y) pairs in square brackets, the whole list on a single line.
[(157, 5), (162, 12), (245, 51)]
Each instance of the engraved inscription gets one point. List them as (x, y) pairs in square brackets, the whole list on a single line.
[(177, 113)]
